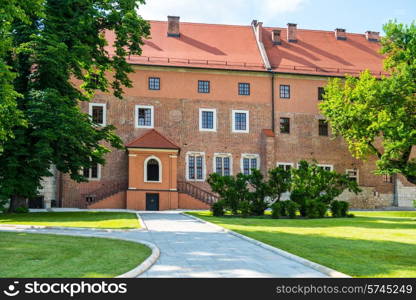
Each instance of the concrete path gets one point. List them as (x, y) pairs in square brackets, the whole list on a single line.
[(194, 249)]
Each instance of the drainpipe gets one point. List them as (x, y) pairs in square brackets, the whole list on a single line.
[(273, 121), (395, 195)]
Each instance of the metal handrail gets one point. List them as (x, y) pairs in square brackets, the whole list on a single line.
[(104, 191), (197, 193)]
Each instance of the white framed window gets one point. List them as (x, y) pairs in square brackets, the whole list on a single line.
[(241, 121), (144, 116), (195, 166), (352, 174), (98, 113), (93, 173), (249, 162), (285, 165), (326, 167), (207, 119), (223, 164), (152, 169)]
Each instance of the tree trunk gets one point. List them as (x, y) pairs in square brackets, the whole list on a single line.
[(17, 201)]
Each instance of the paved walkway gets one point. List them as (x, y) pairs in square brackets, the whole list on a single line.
[(190, 248)]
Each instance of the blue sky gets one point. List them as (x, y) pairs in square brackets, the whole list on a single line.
[(353, 15)]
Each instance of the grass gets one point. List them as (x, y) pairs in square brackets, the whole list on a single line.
[(110, 220), (373, 244), (45, 256)]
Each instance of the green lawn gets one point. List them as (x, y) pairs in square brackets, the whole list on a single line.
[(111, 220), (373, 244), (39, 255)]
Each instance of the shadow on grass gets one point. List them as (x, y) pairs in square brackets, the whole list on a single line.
[(361, 222), (63, 217), (355, 257)]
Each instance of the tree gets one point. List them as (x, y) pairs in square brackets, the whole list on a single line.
[(279, 182), (313, 183), (258, 191), (377, 116), (10, 116), (232, 190), (50, 52)]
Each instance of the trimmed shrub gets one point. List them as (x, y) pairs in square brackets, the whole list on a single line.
[(315, 209), (245, 209), (291, 208), (218, 208), (257, 208), (344, 206), (277, 210), (339, 208), (21, 210), (301, 199)]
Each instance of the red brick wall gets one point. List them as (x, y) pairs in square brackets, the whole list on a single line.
[(176, 109), (115, 201)]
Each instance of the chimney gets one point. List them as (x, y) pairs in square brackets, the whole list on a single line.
[(340, 34), (276, 37), (291, 32), (173, 26), (372, 36), (258, 28)]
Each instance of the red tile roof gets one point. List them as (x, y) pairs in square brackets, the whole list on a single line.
[(154, 140), (235, 48), (319, 52), (200, 45)]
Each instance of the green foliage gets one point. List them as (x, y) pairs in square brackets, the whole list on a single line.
[(231, 189), (218, 208), (277, 209), (258, 191), (21, 210), (300, 198), (414, 203), (245, 209), (284, 208), (339, 209), (376, 116), (279, 182), (316, 209), (291, 208), (46, 52)]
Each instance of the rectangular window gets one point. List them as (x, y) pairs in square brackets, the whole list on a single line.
[(285, 91), (352, 174), (98, 113), (144, 116), (203, 86), (321, 92), (94, 173), (249, 162), (284, 125), (207, 119), (223, 164), (285, 166), (154, 83), (196, 166), (323, 128), (326, 167), (240, 119), (244, 89)]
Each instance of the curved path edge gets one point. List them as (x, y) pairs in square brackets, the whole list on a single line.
[(325, 270), (143, 267)]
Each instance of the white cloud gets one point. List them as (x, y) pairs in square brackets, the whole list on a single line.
[(220, 11)]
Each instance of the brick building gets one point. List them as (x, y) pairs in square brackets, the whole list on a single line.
[(222, 98)]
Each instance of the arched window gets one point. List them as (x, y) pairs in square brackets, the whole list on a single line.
[(152, 169)]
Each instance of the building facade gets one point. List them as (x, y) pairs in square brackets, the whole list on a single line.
[(222, 98)]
